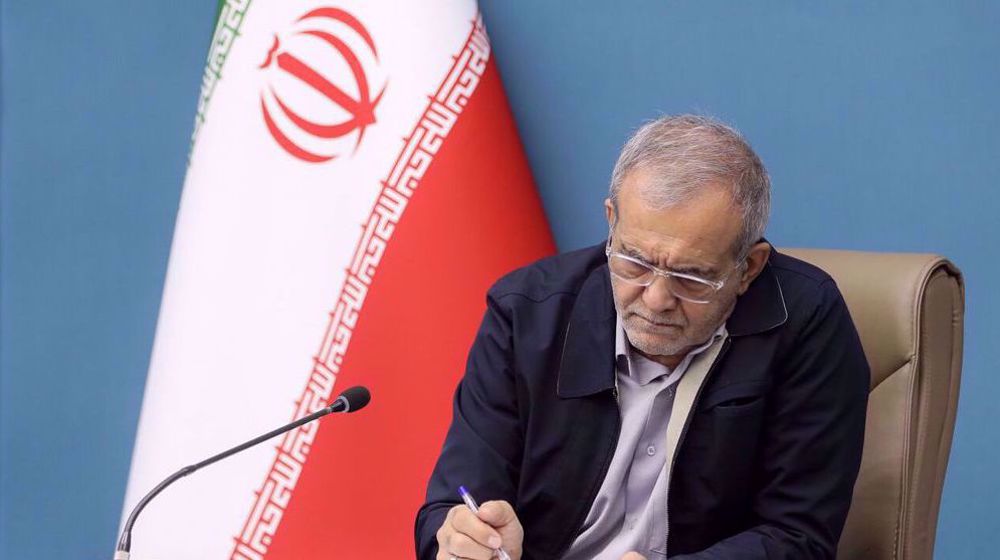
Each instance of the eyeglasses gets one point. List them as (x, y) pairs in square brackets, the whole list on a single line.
[(684, 286)]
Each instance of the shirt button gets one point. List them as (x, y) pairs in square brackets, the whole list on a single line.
[(651, 450)]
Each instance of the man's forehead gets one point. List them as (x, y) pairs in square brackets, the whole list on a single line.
[(703, 227)]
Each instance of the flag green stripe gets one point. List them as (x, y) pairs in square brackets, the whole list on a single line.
[(224, 35)]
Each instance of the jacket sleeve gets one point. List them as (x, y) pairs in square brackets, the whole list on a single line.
[(811, 446), (484, 444)]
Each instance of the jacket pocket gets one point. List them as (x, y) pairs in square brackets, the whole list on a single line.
[(741, 407), (736, 416), (731, 399)]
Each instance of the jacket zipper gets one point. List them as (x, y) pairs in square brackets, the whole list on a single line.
[(680, 440)]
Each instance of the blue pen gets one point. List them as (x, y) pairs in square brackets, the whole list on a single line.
[(471, 502)]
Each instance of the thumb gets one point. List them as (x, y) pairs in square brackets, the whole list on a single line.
[(497, 513)]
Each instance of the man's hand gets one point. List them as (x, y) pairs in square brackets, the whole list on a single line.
[(633, 556), (476, 536)]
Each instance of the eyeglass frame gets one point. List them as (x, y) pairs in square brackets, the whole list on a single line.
[(716, 285)]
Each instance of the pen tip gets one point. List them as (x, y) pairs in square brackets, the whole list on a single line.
[(462, 490)]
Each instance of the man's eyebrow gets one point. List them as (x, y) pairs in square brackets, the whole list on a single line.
[(634, 253), (696, 271)]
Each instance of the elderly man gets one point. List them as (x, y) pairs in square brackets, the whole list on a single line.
[(681, 390)]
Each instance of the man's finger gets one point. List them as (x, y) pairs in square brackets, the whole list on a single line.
[(463, 546), (466, 522), (633, 556), (497, 513)]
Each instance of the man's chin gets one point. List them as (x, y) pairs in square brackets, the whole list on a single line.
[(655, 343)]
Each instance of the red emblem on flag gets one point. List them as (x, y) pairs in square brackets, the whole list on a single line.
[(318, 90)]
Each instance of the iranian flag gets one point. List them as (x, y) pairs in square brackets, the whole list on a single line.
[(355, 185)]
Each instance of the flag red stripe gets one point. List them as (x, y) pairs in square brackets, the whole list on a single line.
[(474, 217)]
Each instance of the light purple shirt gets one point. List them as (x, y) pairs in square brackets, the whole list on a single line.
[(630, 511)]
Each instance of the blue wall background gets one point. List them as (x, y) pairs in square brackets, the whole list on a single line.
[(878, 122)]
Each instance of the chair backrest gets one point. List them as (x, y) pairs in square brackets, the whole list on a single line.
[(909, 311)]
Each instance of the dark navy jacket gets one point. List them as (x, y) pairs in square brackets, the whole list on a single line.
[(766, 462)]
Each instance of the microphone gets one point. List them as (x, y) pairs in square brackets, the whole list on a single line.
[(351, 400)]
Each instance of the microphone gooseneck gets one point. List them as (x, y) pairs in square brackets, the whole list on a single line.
[(351, 400)]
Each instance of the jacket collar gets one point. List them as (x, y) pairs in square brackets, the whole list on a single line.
[(588, 358), (587, 365), (761, 308)]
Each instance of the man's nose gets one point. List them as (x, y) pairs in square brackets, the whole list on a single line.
[(658, 297)]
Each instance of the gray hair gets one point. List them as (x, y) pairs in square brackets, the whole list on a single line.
[(686, 152)]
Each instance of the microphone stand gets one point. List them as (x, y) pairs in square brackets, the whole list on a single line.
[(124, 548)]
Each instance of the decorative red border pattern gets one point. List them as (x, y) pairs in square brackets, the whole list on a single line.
[(418, 152)]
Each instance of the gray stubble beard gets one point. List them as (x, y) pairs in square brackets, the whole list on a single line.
[(677, 347)]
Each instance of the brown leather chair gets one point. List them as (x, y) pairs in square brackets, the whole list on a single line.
[(909, 311)]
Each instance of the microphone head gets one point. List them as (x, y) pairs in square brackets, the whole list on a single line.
[(355, 398)]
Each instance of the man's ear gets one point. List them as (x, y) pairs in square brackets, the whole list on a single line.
[(609, 211), (756, 260)]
